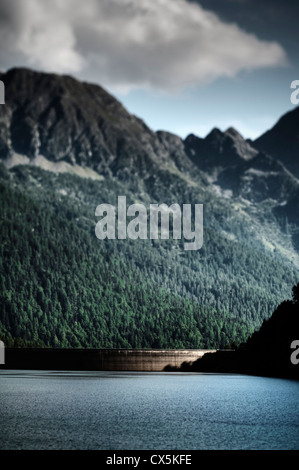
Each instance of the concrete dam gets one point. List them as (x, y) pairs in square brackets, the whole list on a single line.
[(142, 360)]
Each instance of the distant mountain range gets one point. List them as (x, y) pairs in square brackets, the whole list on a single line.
[(58, 123), (70, 144)]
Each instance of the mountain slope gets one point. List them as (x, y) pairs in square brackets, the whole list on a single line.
[(282, 141), (62, 119), (63, 286), (59, 285), (54, 129), (233, 164)]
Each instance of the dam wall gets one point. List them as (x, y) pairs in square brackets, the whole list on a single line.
[(145, 360)]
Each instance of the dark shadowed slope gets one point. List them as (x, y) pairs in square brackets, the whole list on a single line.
[(282, 141)]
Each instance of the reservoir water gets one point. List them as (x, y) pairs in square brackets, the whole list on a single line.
[(130, 411)]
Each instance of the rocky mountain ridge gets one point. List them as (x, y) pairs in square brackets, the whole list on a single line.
[(61, 124)]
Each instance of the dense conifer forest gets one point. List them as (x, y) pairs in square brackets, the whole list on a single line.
[(62, 287)]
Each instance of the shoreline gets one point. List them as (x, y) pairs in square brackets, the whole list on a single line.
[(142, 360), (223, 361)]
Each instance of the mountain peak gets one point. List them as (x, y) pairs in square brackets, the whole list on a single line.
[(282, 141), (233, 133), (215, 133), (61, 118), (219, 149)]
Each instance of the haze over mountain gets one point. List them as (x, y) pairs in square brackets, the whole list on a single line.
[(67, 146)]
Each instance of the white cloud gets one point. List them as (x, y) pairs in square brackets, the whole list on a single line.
[(123, 44)]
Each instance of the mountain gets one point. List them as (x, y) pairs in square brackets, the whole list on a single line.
[(58, 122), (238, 168), (282, 141), (64, 125), (66, 147), (219, 149)]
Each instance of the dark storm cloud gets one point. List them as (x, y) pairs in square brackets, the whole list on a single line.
[(270, 19)]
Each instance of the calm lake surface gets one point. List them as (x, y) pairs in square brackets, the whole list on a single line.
[(128, 410)]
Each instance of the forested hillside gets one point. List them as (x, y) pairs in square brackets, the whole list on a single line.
[(66, 147), (61, 286), (272, 350)]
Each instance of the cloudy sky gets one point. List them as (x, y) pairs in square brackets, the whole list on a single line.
[(181, 65)]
